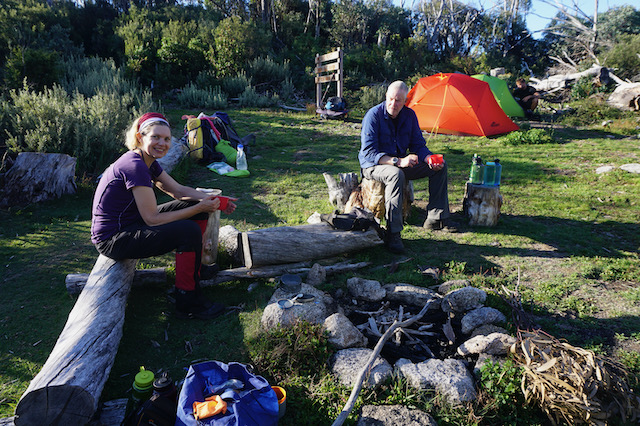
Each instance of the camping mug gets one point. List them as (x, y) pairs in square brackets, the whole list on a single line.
[(435, 159)]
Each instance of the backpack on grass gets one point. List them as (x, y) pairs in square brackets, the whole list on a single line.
[(202, 137)]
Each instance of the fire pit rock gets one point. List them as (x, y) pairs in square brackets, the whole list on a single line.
[(450, 377), (463, 299), (493, 344), (314, 311), (368, 290), (481, 316), (346, 364), (408, 294), (342, 333), (394, 415)]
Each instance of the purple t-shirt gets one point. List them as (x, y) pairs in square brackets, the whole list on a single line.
[(114, 207)]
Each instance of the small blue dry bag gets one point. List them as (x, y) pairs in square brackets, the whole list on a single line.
[(255, 404)]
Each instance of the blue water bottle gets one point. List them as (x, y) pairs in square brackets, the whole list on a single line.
[(498, 174), (489, 173)]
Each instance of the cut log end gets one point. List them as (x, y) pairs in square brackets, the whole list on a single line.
[(59, 405)]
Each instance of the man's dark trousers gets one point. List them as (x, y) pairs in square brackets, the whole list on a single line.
[(394, 178)]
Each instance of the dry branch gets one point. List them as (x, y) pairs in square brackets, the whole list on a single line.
[(372, 358)]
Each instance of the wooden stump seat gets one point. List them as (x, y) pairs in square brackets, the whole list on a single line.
[(370, 195), (482, 204)]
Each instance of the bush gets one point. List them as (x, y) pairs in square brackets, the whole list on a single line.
[(193, 97), (372, 95), (584, 88), (90, 76), (590, 111), (90, 129), (267, 73), (529, 137), (234, 86), (251, 98)]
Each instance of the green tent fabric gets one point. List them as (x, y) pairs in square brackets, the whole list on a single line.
[(502, 94)]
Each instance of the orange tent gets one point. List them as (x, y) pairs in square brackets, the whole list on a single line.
[(458, 104)]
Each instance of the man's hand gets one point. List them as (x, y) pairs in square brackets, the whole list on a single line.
[(408, 161)]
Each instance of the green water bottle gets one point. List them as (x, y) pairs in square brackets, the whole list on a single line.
[(475, 175), (142, 389)]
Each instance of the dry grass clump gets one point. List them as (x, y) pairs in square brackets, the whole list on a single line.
[(572, 384)]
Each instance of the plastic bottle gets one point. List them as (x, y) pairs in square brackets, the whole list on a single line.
[(142, 388), (241, 158), (163, 386), (498, 176), (489, 173), (475, 175)]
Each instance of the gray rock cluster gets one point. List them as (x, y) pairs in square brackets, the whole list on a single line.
[(454, 378)]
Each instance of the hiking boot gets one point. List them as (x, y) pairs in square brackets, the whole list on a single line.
[(209, 272), (189, 305), (394, 243), (439, 225)]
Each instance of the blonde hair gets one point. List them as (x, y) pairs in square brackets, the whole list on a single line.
[(131, 140)]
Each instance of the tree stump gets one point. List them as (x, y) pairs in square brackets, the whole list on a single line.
[(370, 195), (37, 176), (339, 190), (67, 388), (482, 204)]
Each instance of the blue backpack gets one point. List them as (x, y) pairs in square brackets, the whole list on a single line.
[(255, 404)]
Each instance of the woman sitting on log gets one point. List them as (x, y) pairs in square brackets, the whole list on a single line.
[(127, 222)]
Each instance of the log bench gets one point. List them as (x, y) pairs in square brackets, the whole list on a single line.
[(68, 387)]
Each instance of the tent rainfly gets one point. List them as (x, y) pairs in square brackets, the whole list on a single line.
[(458, 104), (502, 94)]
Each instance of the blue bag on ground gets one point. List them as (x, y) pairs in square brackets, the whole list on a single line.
[(255, 404)]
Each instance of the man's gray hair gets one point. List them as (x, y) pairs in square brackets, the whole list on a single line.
[(398, 86)]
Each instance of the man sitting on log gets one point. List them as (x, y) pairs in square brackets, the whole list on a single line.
[(127, 223), (526, 96), (393, 150)]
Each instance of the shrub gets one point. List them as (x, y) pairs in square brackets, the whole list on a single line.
[(267, 72), (529, 137), (193, 97), (372, 95), (234, 86), (300, 350), (287, 90), (251, 98), (584, 88), (90, 76), (90, 129), (590, 111)]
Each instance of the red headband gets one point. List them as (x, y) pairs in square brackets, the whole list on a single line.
[(149, 118)]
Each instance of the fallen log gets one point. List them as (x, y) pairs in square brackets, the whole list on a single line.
[(76, 282), (68, 387), (287, 244), (38, 176)]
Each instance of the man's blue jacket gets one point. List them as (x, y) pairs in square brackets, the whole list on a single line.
[(381, 137)]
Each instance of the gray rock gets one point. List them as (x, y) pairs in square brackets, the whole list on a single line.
[(486, 329), (493, 344), (369, 290), (317, 275), (604, 169), (481, 316), (342, 333), (631, 168), (447, 286), (347, 363), (463, 299), (314, 312), (394, 415), (408, 294), (449, 377)]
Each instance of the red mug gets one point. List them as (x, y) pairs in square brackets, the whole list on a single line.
[(435, 159), (224, 202)]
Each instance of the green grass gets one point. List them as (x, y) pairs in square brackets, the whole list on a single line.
[(570, 235)]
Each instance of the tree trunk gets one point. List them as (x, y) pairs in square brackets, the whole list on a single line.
[(210, 239), (76, 282), (370, 195), (67, 388), (482, 204), (339, 191), (37, 176), (287, 244), (561, 80)]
